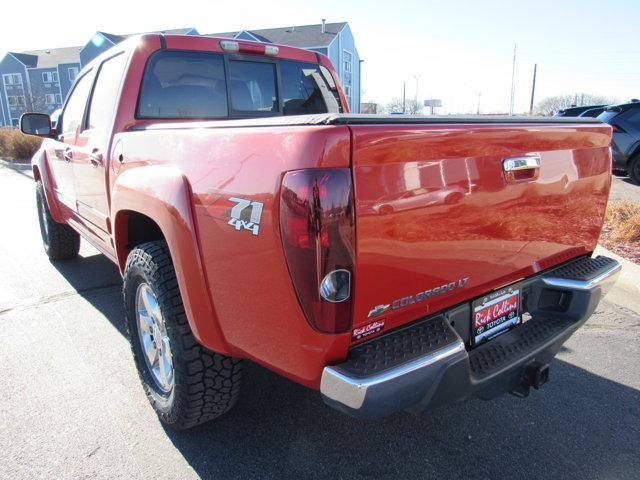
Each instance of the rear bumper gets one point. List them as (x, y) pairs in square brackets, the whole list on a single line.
[(428, 364)]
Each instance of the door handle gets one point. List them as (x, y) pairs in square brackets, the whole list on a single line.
[(67, 155), (96, 158), (515, 164)]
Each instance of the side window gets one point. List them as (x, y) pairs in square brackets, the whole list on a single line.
[(103, 98), (76, 103), (253, 86), (184, 85)]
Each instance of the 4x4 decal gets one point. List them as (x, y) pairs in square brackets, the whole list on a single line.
[(246, 215)]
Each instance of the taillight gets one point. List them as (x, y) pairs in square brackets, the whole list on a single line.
[(617, 129), (317, 228)]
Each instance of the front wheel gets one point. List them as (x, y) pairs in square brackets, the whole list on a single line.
[(185, 383), (60, 241)]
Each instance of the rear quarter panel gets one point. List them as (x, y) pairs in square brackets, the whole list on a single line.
[(247, 279)]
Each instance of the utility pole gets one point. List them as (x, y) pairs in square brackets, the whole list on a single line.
[(404, 96), (479, 97), (513, 81), (533, 88), (582, 100), (416, 96)]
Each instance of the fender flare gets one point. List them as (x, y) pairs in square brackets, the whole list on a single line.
[(163, 194), (40, 169)]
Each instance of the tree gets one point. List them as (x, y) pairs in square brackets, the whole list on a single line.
[(550, 105), (38, 101), (411, 107)]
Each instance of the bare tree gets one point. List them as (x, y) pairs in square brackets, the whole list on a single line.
[(38, 101), (550, 105), (411, 107)]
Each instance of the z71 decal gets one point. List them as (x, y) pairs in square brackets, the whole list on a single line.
[(246, 215)]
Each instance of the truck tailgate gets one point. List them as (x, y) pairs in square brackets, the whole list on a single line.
[(439, 221)]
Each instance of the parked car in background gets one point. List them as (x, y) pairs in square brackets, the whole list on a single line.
[(576, 111), (625, 144), (592, 112)]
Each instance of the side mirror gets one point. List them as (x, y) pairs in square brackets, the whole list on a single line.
[(38, 124)]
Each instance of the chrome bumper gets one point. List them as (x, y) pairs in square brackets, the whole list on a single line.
[(450, 371)]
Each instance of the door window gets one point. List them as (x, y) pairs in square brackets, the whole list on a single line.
[(73, 113), (105, 91)]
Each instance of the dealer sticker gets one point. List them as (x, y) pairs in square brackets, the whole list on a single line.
[(368, 330)]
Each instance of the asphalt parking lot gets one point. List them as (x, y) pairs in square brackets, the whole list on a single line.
[(72, 406)]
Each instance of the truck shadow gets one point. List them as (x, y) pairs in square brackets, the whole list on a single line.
[(581, 425), (98, 281)]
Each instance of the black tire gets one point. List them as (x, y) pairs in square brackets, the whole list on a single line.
[(205, 384), (634, 169), (60, 241)]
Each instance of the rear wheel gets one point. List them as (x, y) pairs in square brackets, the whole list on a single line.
[(186, 384), (60, 241), (634, 169)]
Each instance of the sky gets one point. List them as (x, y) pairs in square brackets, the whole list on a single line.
[(459, 51)]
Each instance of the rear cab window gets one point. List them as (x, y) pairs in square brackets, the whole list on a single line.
[(203, 85), (253, 87)]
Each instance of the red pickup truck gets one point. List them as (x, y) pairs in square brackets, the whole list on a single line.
[(390, 262)]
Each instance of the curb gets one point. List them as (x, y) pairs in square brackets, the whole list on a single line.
[(20, 167), (626, 291)]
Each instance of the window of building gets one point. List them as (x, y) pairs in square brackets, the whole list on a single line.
[(346, 61), (49, 99), (16, 101), (253, 86), (50, 77), (347, 90), (58, 99), (12, 78), (104, 92), (73, 73)]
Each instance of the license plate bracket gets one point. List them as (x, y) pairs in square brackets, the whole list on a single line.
[(496, 313)]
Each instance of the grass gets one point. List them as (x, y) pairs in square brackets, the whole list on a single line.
[(622, 220), (14, 145)]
